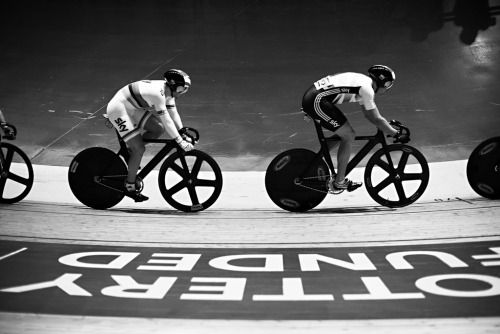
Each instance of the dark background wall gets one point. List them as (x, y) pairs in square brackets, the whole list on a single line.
[(250, 62)]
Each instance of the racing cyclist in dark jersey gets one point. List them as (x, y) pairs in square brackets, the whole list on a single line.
[(320, 101)]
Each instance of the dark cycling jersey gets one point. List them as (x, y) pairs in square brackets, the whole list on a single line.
[(320, 99)]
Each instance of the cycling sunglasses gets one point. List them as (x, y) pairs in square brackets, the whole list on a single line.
[(182, 89), (388, 84)]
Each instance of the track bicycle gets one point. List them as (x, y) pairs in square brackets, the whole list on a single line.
[(188, 181), (483, 168), (16, 171), (396, 175)]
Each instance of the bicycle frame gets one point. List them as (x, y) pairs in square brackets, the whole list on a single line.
[(324, 152), (169, 146)]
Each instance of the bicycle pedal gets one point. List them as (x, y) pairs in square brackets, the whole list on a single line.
[(335, 191)]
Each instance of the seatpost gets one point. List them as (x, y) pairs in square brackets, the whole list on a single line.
[(323, 141), (123, 147)]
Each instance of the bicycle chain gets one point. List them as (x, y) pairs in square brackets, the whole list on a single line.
[(321, 191), (313, 177), (110, 177)]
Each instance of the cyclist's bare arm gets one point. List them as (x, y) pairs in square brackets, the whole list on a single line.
[(168, 123), (174, 115), (373, 115)]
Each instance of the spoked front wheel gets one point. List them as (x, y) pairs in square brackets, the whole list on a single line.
[(96, 177), (296, 180), (16, 174), (483, 168), (190, 181), (396, 176)]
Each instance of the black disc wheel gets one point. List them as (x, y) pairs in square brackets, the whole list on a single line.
[(396, 176), (96, 177), (296, 180), (483, 168), (190, 181), (16, 174)]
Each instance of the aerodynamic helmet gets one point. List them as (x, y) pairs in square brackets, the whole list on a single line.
[(383, 76), (177, 80)]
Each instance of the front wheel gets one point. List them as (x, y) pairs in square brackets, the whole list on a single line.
[(296, 180), (190, 181), (16, 174), (483, 168), (396, 176), (96, 177)]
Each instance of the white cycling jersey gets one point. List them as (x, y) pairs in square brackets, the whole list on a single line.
[(132, 106), (346, 87)]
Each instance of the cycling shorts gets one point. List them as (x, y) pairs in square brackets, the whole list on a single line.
[(319, 108), (129, 122)]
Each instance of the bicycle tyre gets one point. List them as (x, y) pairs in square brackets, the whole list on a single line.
[(194, 189), (404, 191), (483, 168), (281, 176), (96, 177), (9, 153)]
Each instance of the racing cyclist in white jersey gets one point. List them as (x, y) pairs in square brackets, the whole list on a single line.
[(320, 101), (145, 109)]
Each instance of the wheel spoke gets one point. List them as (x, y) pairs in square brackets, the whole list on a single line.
[(18, 179), (196, 167), (8, 160), (384, 184), (178, 169), (178, 187), (403, 161), (206, 183), (385, 166), (400, 190), (412, 176), (193, 195), (2, 185)]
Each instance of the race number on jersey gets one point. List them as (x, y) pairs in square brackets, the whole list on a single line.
[(325, 83)]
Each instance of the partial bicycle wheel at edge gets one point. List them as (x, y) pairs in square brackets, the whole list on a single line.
[(284, 187), (483, 168), (96, 177), (396, 177), (17, 176), (191, 181)]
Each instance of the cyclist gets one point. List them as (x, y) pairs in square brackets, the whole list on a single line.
[(320, 101), (5, 128), (145, 109)]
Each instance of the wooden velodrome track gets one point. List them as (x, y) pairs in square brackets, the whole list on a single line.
[(455, 216)]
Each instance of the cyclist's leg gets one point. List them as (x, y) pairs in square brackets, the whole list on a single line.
[(347, 135), (152, 128), (334, 120), (128, 124)]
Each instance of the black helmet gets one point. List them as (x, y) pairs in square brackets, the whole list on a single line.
[(383, 76), (177, 80)]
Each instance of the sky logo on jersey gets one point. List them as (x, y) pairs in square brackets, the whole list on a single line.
[(121, 124), (334, 123)]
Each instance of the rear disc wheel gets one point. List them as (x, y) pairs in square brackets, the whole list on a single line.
[(96, 177), (483, 168), (283, 184)]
